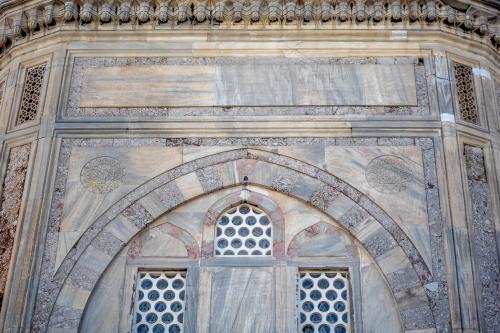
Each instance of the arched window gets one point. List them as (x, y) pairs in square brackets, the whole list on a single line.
[(244, 230)]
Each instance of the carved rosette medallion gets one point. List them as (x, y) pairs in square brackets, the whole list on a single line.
[(102, 174), (388, 174)]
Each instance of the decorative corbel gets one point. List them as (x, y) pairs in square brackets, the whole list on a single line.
[(431, 10), (48, 12), (255, 10), (3, 34), (143, 10), (238, 7), (343, 10), (70, 11), (468, 22), (87, 11), (274, 10), (106, 11), (396, 10), (414, 10), (219, 10), (32, 15), (326, 10), (163, 10), (16, 29), (308, 10), (360, 10), (450, 14), (483, 25), (124, 10), (200, 10), (378, 11), (290, 9), (183, 10)]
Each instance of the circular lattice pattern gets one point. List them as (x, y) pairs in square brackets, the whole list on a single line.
[(102, 174), (388, 174), (160, 302), (244, 231), (324, 302)]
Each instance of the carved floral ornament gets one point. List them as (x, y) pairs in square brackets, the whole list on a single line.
[(31, 21)]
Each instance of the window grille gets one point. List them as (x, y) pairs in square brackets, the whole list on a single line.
[(31, 94), (243, 231), (160, 302), (466, 95), (324, 302)]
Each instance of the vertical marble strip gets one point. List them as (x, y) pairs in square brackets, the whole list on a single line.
[(12, 193), (497, 93), (2, 84), (443, 85), (483, 238)]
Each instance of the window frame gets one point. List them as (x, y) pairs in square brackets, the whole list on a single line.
[(351, 266), (136, 265), (478, 92)]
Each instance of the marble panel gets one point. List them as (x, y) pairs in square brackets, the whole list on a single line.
[(376, 294), (392, 176), (102, 313), (121, 86), (156, 243), (242, 300), (250, 83), (88, 197)]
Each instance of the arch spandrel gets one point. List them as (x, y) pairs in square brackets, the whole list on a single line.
[(277, 172)]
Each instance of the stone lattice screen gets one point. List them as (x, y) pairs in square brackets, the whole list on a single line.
[(12, 192), (467, 104), (31, 94)]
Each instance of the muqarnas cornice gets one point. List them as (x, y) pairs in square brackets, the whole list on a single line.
[(86, 15)]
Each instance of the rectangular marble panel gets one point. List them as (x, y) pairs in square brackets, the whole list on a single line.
[(249, 83), (154, 85), (242, 300)]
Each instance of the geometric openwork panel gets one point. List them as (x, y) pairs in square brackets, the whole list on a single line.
[(466, 95), (244, 231), (31, 94), (160, 302), (324, 302)]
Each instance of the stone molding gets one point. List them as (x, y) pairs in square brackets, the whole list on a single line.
[(80, 64), (80, 15), (142, 206)]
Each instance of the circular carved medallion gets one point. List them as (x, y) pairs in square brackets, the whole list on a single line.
[(102, 174), (388, 174)]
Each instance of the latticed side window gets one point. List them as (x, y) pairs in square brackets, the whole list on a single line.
[(243, 231), (467, 104), (324, 301), (31, 94), (160, 302)]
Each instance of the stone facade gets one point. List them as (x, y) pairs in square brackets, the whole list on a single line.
[(255, 166)]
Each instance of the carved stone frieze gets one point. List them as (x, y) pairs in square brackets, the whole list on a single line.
[(125, 14)]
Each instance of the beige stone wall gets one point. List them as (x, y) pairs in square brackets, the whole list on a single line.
[(135, 136)]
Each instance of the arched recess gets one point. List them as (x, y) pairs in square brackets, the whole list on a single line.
[(398, 259)]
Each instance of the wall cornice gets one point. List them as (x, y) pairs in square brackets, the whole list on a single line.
[(29, 20)]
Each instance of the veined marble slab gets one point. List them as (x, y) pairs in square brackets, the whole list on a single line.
[(249, 84)]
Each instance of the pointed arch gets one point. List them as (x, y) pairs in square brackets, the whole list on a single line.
[(398, 259)]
